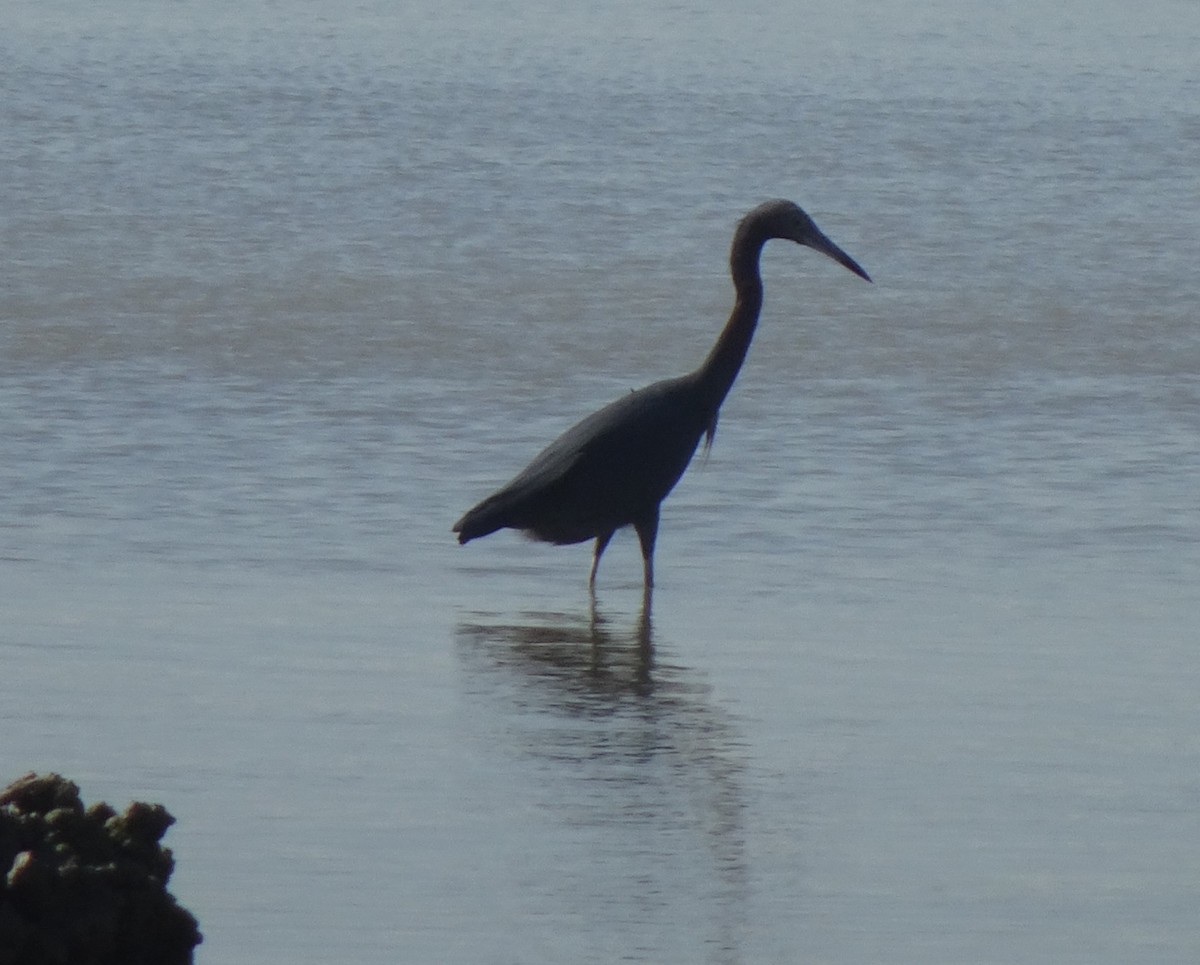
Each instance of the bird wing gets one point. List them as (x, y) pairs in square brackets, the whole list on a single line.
[(600, 474)]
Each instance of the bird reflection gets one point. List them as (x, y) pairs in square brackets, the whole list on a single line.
[(615, 737), (591, 661)]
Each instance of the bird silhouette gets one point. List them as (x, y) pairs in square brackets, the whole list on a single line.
[(615, 467)]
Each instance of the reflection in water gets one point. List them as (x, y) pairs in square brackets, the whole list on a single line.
[(590, 665), (633, 760)]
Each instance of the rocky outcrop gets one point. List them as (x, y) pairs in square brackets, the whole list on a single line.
[(86, 886)]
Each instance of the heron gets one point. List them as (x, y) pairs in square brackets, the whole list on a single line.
[(614, 468)]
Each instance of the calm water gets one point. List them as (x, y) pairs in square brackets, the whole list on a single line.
[(287, 288)]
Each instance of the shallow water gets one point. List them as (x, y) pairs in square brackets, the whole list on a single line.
[(288, 290)]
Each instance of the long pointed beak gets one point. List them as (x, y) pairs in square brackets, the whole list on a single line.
[(826, 247)]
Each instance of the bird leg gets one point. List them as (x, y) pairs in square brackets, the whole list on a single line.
[(647, 530), (601, 543)]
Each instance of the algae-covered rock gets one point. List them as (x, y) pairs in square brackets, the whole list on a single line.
[(86, 887)]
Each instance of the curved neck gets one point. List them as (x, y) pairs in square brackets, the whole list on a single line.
[(723, 363)]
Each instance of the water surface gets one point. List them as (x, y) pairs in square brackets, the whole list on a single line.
[(289, 288)]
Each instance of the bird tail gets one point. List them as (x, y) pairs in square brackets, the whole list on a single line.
[(479, 521)]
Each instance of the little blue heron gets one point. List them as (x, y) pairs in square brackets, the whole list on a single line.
[(615, 467)]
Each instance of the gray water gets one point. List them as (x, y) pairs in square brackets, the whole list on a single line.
[(287, 287)]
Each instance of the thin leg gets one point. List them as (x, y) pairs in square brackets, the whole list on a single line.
[(601, 543), (647, 530)]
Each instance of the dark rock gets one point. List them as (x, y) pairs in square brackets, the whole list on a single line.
[(41, 794), (86, 887)]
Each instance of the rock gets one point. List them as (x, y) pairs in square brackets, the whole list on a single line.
[(86, 887), (40, 794)]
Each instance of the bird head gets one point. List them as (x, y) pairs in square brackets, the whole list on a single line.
[(784, 219)]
